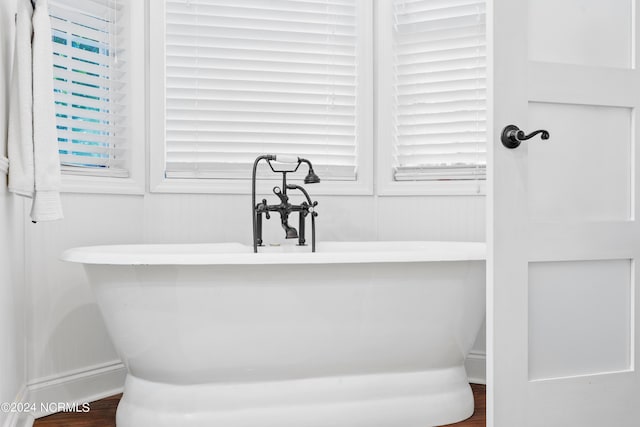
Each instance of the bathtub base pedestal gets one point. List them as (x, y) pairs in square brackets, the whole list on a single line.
[(409, 399)]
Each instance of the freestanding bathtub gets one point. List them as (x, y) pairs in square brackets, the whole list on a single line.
[(369, 334)]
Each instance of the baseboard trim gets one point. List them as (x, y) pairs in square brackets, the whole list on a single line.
[(85, 385), (23, 420), (20, 419), (476, 365)]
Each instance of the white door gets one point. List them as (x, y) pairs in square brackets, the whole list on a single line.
[(563, 232)]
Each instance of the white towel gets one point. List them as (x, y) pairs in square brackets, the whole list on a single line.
[(34, 162), (20, 133)]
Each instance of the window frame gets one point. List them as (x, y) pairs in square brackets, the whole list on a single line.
[(158, 183), (385, 183), (134, 43)]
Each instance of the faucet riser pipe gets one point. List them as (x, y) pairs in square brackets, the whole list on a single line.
[(301, 228)]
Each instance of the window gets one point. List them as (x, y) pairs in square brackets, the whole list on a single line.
[(90, 87), (436, 91), (245, 78), (439, 61), (239, 78)]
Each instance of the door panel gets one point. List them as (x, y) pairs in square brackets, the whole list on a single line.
[(584, 172), (581, 32), (563, 235), (579, 318)]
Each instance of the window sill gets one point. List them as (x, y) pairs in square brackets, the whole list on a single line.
[(433, 188), (243, 186), (100, 185)]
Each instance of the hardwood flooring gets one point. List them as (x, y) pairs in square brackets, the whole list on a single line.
[(103, 413)]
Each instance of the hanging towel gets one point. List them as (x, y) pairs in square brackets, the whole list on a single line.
[(34, 162), (20, 132), (7, 44)]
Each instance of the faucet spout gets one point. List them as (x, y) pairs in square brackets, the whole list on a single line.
[(291, 233)]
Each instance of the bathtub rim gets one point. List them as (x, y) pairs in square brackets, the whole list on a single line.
[(239, 254)]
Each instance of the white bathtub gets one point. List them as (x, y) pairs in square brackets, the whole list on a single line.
[(369, 334)]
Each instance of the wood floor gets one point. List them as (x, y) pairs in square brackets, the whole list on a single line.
[(103, 414)]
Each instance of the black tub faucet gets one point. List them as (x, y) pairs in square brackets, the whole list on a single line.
[(284, 207)]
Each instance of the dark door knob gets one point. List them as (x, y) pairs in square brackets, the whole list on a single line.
[(512, 136)]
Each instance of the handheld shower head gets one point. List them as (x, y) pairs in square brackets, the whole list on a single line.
[(311, 177)]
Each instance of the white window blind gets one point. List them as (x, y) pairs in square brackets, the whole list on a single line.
[(89, 86), (440, 89), (249, 77)]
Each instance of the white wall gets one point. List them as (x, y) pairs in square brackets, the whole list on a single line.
[(202, 218), (12, 301), (12, 283), (65, 330)]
